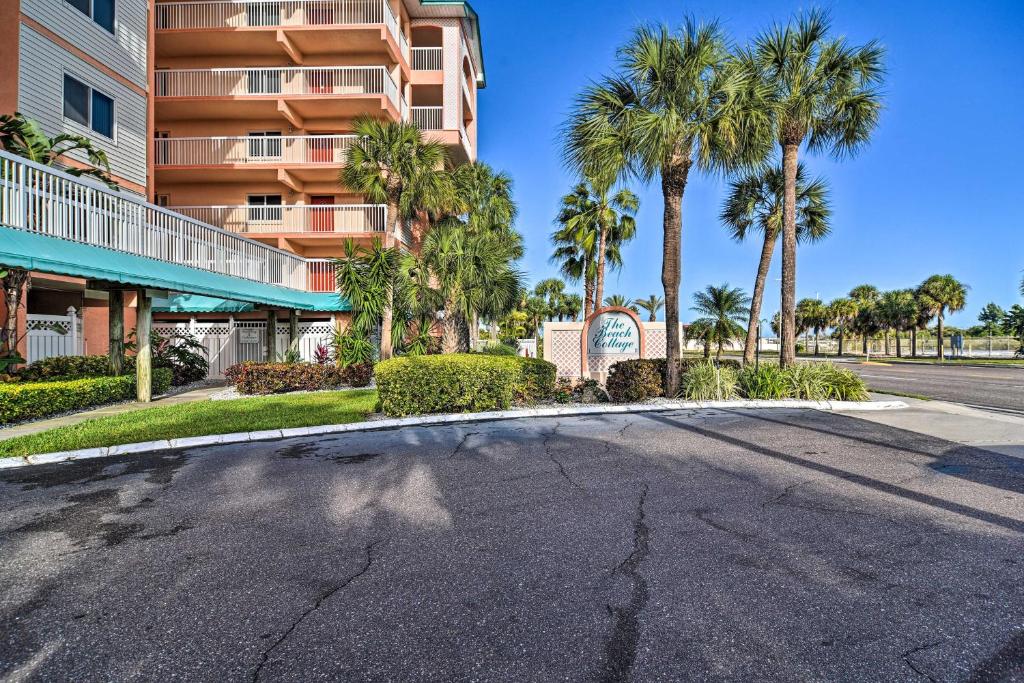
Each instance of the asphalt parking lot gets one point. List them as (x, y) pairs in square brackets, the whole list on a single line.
[(711, 545)]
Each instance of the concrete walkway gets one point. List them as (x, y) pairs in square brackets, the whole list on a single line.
[(201, 394)]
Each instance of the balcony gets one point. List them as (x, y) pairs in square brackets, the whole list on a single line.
[(306, 158), (427, 58), (297, 93), (312, 221), (428, 118), (298, 27)]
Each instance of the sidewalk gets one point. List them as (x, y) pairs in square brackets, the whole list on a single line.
[(986, 429), (201, 394)]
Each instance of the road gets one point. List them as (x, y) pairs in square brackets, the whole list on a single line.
[(713, 545), (988, 386)]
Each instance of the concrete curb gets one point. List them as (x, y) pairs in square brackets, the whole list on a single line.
[(437, 420)]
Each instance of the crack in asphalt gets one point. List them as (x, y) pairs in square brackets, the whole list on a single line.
[(558, 463), (703, 514), (621, 647), (914, 650), (324, 597), (622, 432), (462, 443)]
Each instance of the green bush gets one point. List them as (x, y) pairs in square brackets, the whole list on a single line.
[(767, 381), (636, 380), (67, 368), (500, 350), (842, 384), (705, 381), (806, 381), (31, 400), (457, 383), (279, 378)]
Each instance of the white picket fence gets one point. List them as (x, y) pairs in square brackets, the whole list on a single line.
[(234, 341), (54, 335)]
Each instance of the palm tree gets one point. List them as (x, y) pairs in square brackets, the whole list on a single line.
[(652, 305), (842, 312), (569, 306), (24, 137), (898, 310), (723, 310), (921, 319), (536, 309), (942, 294), (755, 202), (677, 102), (1013, 323), (991, 317), (866, 296), (812, 314), (391, 163), (621, 302), (820, 91), (551, 290)]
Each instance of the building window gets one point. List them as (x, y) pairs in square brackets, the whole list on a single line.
[(265, 208), (88, 107), (265, 144), (100, 11), (163, 200)]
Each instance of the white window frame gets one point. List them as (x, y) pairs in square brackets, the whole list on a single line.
[(91, 15), (259, 137), (264, 221), (91, 87)]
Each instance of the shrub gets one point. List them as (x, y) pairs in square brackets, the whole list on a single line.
[(500, 350), (806, 381), (767, 381), (31, 400), (704, 381), (66, 368), (180, 352), (537, 381), (279, 378), (461, 383), (842, 384), (636, 380)]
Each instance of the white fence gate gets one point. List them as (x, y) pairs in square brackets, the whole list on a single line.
[(54, 335), (233, 341)]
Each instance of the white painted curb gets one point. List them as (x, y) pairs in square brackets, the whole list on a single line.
[(436, 420)]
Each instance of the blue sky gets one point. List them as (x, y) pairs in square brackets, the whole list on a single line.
[(937, 191)]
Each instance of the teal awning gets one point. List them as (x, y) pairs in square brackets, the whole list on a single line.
[(196, 303), (47, 254)]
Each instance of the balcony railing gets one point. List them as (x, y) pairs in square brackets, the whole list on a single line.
[(203, 14), (253, 150), (320, 275), (47, 201), (293, 80), (304, 218), (428, 118), (427, 58)]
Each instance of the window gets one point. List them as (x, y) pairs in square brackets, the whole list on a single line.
[(163, 200), (263, 81), (100, 11), (88, 107), (265, 144), (265, 208)]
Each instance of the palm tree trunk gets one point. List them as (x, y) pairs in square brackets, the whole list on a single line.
[(886, 335), (718, 353), (789, 167), (938, 346), (599, 290), (767, 249), (588, 291), (840, 341), (913, 342), (899, 350), (386, 347), (816, 334), (864, 341), (673, 185)]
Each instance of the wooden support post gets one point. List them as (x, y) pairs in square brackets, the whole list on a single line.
[(115, 305), (271, 340), (293, 330), (144, 352)]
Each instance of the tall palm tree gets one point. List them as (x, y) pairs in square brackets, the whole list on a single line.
[(723, 310), (391, 163), (677, 102), (866, 296), (942, 294), (570, 306), (812, 314), (652, 305), (551, 290), (842, 312), (821, 91), (755, 202), (621, 302), (898, 310), (921, 319), (1013, 323)]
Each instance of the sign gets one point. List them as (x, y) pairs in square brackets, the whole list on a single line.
[(613, 333), (248, 335)]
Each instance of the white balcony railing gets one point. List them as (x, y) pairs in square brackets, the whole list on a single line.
[(428, 118), (304, 218), (252, 150), (279, 81), (427, 58), (47, 201), (206, 14)]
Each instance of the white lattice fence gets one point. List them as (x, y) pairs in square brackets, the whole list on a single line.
[(562, 347), (53, 335)]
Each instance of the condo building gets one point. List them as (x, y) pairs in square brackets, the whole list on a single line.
[(238, 114)]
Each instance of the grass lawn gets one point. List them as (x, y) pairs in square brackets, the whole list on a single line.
[(200, 419), (954, 361)]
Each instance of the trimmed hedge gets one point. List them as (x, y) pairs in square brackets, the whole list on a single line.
[(70, 367), (280, 378), (630, 381), (31, 400), (459, 383)]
